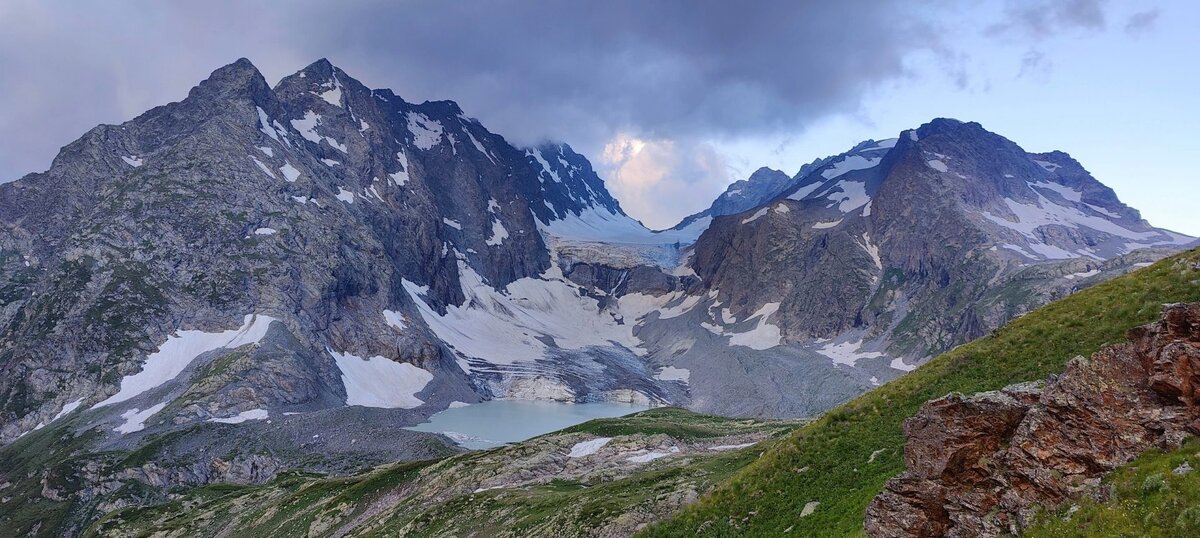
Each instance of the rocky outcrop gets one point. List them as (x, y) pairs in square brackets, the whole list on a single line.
[(981, 465)]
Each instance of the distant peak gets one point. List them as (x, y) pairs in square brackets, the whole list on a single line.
[(322, 68), (328, 81), (444, 107), (239, 69), (1058, 157), (240, 76), (765, 170), (948, 126)]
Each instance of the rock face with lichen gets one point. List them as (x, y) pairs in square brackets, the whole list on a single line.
[(982, 465)]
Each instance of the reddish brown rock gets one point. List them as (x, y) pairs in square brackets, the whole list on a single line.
[(980, 465)]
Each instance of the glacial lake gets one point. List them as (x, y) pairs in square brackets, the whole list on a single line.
[(499, 422)]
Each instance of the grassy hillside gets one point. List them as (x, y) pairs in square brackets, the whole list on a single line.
[(830, 461)]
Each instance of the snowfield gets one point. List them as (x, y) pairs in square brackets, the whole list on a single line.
[(381, 382), (508, 327), (847, 353), (180, 349), (671, 373), (253, 414)]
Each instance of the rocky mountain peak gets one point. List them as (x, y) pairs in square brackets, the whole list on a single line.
[(762, 185), (763, 173), (237, 81), (948, 126), (320, 69), (860, 269), (574, 186), (320, 79)]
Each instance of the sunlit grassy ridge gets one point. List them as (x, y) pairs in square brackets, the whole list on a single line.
[(828, 460)]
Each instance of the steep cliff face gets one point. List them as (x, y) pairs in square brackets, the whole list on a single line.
[(982, 465)]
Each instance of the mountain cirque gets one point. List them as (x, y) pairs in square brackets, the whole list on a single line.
[(401, 256), (259, 278), (983, 465)]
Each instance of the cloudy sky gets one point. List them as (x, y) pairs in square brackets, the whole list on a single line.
[(671, 100)]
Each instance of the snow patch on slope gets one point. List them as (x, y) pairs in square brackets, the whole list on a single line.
[(804, 191), (1063, 190), (498, 235), (252, 414), (290, 173), (849, 164), (764, 335), (853, 195), (426, 132), (135, 419), (1029, 217), (333, 95), (1082, 275), (263, 167), (651, 456), (307, 126), (66, 410), (180, 349), (1049, 166), (847, 353), (401, 177), (395, 319), (671, 373), (587, 448), (757, 214), (380, 382), (537, 154)]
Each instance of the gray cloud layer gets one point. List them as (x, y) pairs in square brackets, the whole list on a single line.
[(565, 70), (575, 71)]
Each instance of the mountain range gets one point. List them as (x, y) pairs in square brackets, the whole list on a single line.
[(319, 256)]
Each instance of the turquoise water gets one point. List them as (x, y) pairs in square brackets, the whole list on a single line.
[(499, 422)]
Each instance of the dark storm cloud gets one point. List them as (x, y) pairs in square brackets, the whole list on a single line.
[(1040, 19), (663, 68), (577, 71)]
